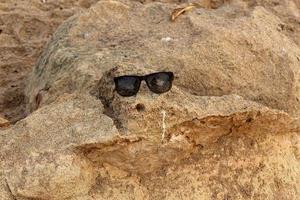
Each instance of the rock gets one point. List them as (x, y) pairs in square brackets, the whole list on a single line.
[(25, 27), (212, 52), (4, 123), (51, 176), (70, 150), (226, 130), (5, 193), (40, 161)]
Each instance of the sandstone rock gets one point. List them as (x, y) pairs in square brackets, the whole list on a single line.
[(226, 130), (5, 193), (70, 150), (25, 27), (212, 52), (38, 152), (4, 123)]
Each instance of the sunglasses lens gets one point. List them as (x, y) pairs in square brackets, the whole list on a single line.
[(127, 85), (160, 82)]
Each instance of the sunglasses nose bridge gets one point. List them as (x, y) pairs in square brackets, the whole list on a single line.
[(143, 87)]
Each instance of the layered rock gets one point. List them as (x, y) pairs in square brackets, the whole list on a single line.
[(71, 149), (228, 129), (41, 162)]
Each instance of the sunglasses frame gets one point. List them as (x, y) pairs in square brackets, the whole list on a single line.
[(141, 78)]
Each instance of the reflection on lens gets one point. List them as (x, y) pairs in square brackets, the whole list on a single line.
[(160, 82), (127, 85)]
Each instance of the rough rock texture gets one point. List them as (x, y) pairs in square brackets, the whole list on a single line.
[(228, 50), (3, 123), (41, 162), (228, 129), (225, 147), (25, 27)]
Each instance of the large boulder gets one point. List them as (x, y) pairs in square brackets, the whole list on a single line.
[(40, 160), (211, 148), (226, 130), (211, 52)]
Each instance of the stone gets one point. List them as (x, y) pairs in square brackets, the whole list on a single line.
[(211, 52), (25, 28), (5, 193), (228, 128), (70, 149), (4, 123), (40, 158)]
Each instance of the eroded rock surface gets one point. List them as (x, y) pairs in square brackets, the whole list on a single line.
[(228, 129), (25, 27), (41, 162), (4, 123), (245, 54)]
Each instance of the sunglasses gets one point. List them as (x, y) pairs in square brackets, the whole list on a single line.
[(158, 83)]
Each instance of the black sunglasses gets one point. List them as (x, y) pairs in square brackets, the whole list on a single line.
[(159, 82)]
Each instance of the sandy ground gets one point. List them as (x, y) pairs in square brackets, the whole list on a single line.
[(26, 26)]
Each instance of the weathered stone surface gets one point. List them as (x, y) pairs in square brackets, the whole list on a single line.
[(228, 129), (4, 123), (25, 27), (212, 52), (5, 193), (38, 151), (70, 150)]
